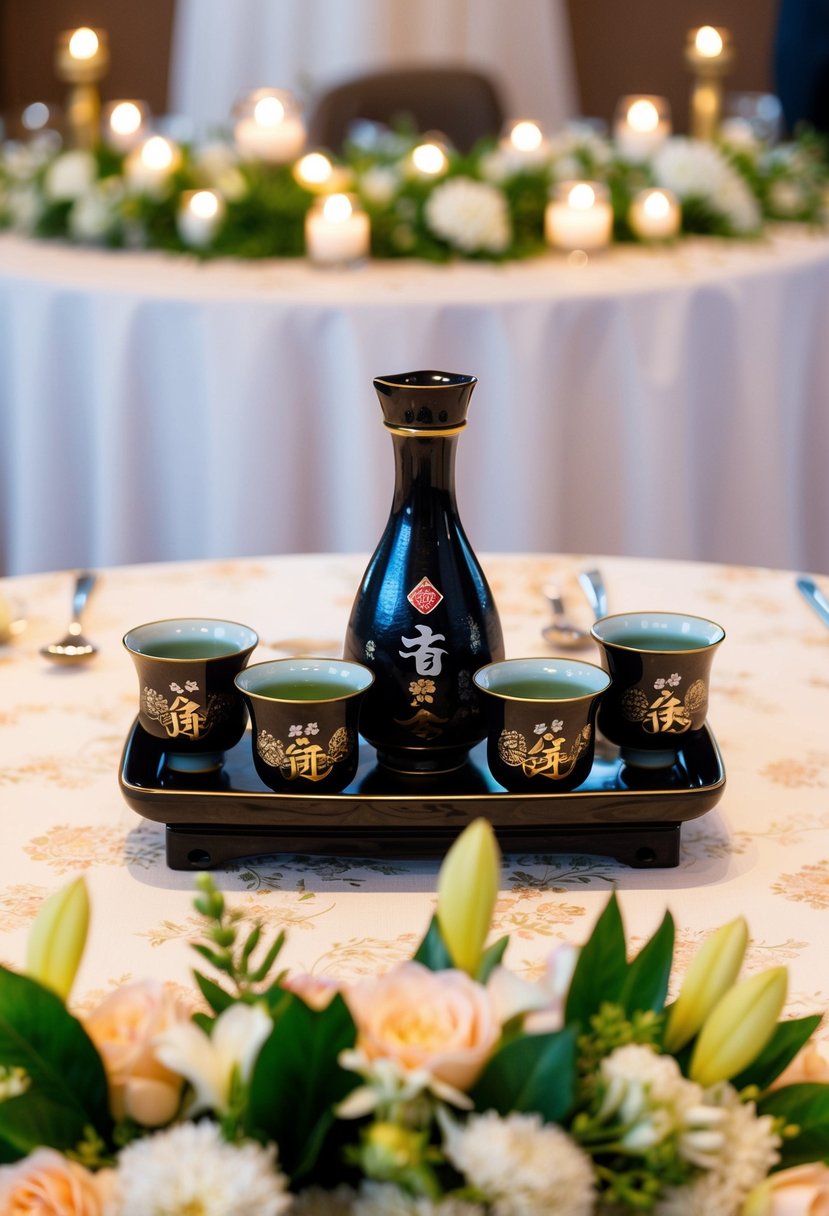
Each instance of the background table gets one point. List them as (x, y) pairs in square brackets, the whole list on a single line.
[(761, 852), (654, 403)]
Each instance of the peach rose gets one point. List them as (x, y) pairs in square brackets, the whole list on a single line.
[(316, 991), (47, 1184), (810, 1064), (440, 1021), (800, 1191), (123, 1028)]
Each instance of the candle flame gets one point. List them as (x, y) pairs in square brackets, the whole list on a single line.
[(582, 197), (708, 42), (643, 115), (268, 112), (125, 118), (337, 208), (157, 153), (656, 205), (526, 136), (429, 159), (314, 168), (84, 43), (205, 204)]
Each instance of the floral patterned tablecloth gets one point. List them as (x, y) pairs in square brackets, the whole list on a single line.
[(764, 850)]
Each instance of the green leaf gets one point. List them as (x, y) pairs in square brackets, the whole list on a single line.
[(535, 1072), (297, 1080), (490, 959), (216, 997), (787, 1040), (67, 1089), (646, 983), (432, 951), (807, 1106), (601, 968), (262, 971)]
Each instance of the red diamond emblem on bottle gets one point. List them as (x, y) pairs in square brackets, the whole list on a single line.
[(424, 597)]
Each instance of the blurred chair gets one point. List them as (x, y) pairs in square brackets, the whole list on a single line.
[(458, 101)]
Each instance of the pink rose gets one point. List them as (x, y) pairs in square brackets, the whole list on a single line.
[(800, 1191), (440, 1021), (123, 1028), (810, 1064), (46, 1184)]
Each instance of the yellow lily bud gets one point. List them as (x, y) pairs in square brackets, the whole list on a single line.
[(738, 1027), (467, 891), (711, 973), (57, 938)]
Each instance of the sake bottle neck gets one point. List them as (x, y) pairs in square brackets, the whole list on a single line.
[(424, 471)]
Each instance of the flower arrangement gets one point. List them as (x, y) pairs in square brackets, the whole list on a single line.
[(487, 204), (447, 1085)]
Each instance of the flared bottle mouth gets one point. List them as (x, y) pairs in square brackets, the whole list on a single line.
[(425, 400)]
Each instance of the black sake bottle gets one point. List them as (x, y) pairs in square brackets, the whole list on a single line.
[(424, 619)]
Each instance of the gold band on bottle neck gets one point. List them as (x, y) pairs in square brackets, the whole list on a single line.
[(432, 432)]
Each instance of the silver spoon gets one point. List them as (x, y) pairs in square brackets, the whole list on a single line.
[(74, 648), (562, 631), (592, 584)]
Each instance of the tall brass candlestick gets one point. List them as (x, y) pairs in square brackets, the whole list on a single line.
[(708, 53), (82, 60)]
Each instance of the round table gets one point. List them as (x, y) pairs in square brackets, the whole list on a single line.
[(659, 403), (763, 851)]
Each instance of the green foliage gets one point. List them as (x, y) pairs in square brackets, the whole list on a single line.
[(535, 1072), (804, 1112), (781, 1049), (232, 955), (65, 1085), (601, 969)]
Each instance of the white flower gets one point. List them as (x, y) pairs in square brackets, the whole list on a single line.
[(542, 1002), (385, 1199), (95, 213), (736, 202), (578, 139), (694, 169), (208, 1062), (522, 1166), (749, 1151), (379, 185), (505, 161), (190, 1169), (24, 207), (469, 215), (388, 1084), (69, 176), (738, 133), (218, 164), (785, 197)]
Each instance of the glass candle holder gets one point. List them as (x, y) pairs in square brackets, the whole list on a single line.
[(125, 124), (429, 158), (641, 124), (150, 165), (317, 173), (579, 216), (200, 217), (337, 231), (655, 215), (709, 55), (269, 127)]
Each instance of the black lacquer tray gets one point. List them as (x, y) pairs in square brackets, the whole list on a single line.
[(628, 814)]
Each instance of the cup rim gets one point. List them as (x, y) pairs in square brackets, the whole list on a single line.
[(672, 650), (427, 378), (253, 668), (195, 620), (577, 663)]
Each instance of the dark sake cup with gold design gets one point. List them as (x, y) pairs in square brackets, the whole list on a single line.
[(186, 668), (305, 714), (541, 716), (659, 665)]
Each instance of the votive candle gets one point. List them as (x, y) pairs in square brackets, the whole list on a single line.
[(579, 216), (199, 217), (269, 127), (641, 125), (655, 215), (337, 232), (125, 124)]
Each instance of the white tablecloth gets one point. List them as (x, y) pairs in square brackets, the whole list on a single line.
[(763, 851), (666, 404), (222, 51)]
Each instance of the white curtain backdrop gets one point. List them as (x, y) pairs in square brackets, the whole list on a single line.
[(223, 49)]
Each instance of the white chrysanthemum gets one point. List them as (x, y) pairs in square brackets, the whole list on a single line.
[(385, 1199), (469, 215), (95, 213), (379, 184), (69, 176), (749, 1151), (190, 1169), (694, 169), (522, 1166)]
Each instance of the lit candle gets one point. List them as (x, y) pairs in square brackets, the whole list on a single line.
[(81, 60), (655, 215), (269, 127), (641, 125), (125, 124), (429, 159), (526, 143), (708, 53), (199, 217), (336, 232), (149, 166), (579, 216), (315, 172)]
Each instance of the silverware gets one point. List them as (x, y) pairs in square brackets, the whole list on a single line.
[(562, 631), (74, 647), (814, 596), (592, 584)]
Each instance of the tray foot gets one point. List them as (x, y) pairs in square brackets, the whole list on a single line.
[(195, 847)]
